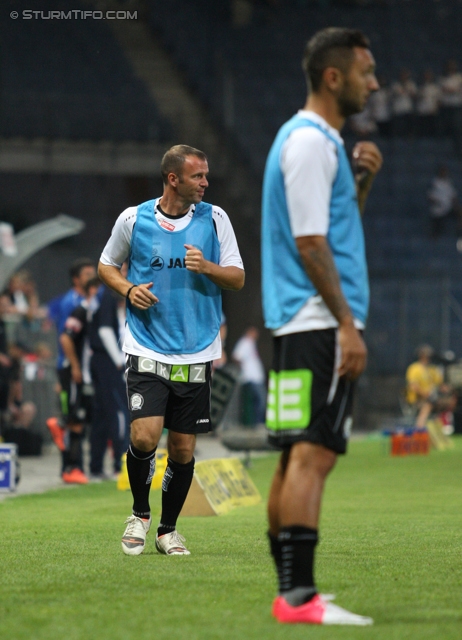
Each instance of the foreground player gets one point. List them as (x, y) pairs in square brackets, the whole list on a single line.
[(182, 253), (315, 300)]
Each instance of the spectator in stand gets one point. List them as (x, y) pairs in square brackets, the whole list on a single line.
[(5, 363), (443, 202), (23, 298), (403, 93), (440, 405), (110, 414), (451, 100), (43, 353), (379, 105), (59, 309), (363, 124), (422, 378), (428, 105), (17, 301), (253, 378), (14, 412), (21, 413)]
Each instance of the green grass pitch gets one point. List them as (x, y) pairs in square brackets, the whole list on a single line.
[(391, 548)]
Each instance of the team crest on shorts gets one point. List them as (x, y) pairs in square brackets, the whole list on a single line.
[(136, 402)]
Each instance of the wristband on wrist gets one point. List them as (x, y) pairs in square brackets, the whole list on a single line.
[(128, 292)]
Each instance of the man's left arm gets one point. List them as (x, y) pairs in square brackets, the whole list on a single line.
[(225, 277), (367, 161)]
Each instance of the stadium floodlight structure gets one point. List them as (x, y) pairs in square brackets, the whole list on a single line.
[(29, 241)]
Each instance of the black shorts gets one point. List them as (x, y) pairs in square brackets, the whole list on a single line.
[(75, 405), (180, 393), (307, 401)]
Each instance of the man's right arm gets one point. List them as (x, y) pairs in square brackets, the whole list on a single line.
[(139, 295), (320, 267), (114, 253)]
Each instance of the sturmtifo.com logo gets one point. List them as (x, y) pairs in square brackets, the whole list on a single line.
[(74, 14)]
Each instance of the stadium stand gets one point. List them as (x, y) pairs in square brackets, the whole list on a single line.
[(76, 82), (69, 79), (249, 76), (256, 67)]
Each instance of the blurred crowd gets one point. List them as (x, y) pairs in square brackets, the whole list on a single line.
[(72, 345), (20, 308), (427, 106)]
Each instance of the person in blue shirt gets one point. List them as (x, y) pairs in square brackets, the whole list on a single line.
[(107, 365), (315, 302), (67, 431), (182, 252)]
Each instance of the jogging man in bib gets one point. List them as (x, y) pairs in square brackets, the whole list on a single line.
[(315, 301), (182, 252)]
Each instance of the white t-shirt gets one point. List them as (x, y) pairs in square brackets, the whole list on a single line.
[(245, 352), (441, 194), (428, 99), (403, 94), (379, 104), (117, 250), (451, 90), (309, 164), (363, 123)]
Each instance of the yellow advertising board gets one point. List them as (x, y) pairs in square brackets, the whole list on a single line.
[(218, 486), (161, 464)]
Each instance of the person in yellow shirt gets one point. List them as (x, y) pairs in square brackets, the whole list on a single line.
[(422, 377)]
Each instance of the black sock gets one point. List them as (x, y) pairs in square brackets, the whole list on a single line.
[(175, 487), (140, 467), (65, 461), (276, 552), (65, 454), (297, 561), (75, 458)]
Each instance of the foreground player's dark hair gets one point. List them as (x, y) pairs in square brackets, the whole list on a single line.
[(331, 47)]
